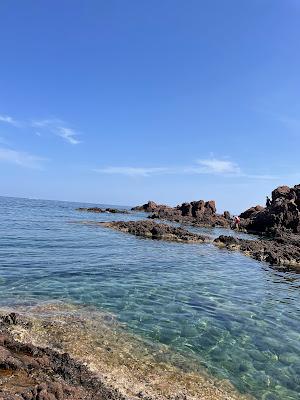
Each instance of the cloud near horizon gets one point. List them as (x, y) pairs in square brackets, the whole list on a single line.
[(20, 158), (133, 171), (210, 166)]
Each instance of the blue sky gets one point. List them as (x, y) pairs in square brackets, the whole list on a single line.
[(120, 102)]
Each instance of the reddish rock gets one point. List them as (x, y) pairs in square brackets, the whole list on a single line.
[(282, 215), (199, 213)]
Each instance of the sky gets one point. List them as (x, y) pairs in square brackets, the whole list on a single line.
[(119, 102)]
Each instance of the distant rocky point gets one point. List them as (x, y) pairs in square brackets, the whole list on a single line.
[(102, 210)]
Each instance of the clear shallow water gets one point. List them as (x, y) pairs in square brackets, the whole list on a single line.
[(240, 317)]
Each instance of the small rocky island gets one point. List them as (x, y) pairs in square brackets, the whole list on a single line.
[(102, 210)]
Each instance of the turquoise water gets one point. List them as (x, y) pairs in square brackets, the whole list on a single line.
[(240, 317)]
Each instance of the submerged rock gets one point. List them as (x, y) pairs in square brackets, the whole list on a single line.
[(103, 210), (154, 230)]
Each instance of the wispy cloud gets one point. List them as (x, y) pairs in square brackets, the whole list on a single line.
[(20, 158), (53, 125), (59, 128), (133, 171), (8, 120), (215, 166), (209, 166), (68, 134)]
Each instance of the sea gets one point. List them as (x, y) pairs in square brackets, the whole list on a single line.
[(239, 318)]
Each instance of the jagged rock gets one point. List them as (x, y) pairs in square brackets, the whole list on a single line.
[(198, 213), (282, 215)]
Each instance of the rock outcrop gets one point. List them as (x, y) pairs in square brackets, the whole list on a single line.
[(102, 210), (198, 213), (281, 215), (153, 230)]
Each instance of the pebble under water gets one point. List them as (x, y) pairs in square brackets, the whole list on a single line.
[(239, 317)]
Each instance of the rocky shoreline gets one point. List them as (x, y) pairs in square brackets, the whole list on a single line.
[(29, 372), (278, 224), (282, 251), (58, 352)]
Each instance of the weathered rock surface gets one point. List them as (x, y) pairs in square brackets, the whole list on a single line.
[(282, 215), (153, 230), (29, 372), (280, 251), (198, 213), (137, 369), (102, 210)]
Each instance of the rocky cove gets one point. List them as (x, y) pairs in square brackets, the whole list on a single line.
[(219, 316), (278, 224)]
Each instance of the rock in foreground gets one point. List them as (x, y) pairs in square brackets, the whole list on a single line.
[(153, 230), (43, 342), (28, 372)]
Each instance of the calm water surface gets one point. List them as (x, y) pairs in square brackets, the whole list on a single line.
[(240, 317)]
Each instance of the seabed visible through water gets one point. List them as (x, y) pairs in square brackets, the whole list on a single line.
[(210, 312)]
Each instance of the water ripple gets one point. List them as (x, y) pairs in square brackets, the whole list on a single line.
[(239, 317)]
